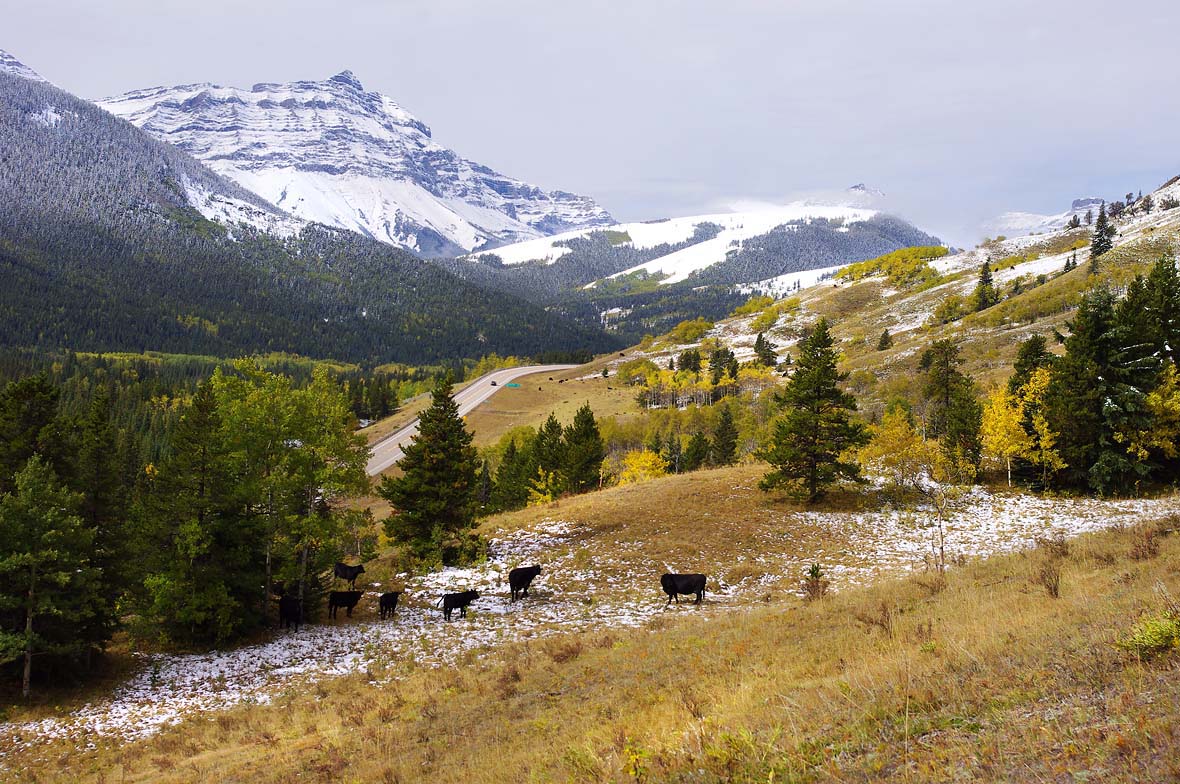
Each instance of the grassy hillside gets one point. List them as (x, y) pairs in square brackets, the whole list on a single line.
[(987, 677)]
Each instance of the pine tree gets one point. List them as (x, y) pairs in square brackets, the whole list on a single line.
[(28, 409), (584, 452), (549, 450), (1097, 395), (725, 439), (49, 590), (765, 352), (208, 551), (955, 416), (1032, 353), (1163, 308), (696, 453), (435, 497), (885, 342), (484, 495), (811, 437), (510, 490), (985, 294), (1103, 237)]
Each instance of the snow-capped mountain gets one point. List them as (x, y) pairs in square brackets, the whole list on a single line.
[(1018, 224), (332, 152), (11, 65)]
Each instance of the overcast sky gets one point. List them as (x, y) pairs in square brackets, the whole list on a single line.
[(957, 110)]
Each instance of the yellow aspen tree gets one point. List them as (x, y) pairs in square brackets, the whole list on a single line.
[(1003, 435), (1041, 450)]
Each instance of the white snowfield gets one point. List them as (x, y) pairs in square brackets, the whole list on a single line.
[(168, 688), (735, 228), (388, 450), (330, 152)]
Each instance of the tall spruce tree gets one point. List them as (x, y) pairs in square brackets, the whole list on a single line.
[(435, 498), (202, 587), (954, 413), (1163, 307), (511, 488), (885, 342), (816, 430), (985, 294), (764, 351), (49, 589), (696, 453), (583, 452), (1103, 238), (724, 439), (1032, 353), (1089, 397)]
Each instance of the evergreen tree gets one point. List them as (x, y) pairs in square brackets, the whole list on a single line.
[(28, 409), (696, 453), (816, 430), (1103, 237), (1163, 308), (435, 497), (765, 352), (203, 578), (511, 488), (1032, 353), (104, 510), (549, 452), (1097, 395), (725, 439), (955, 416), (584, 452), (885, 342), (690, 360), (672, 453), (49, 589), (985, 294)]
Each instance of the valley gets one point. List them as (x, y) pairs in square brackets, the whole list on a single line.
[(277, 359)]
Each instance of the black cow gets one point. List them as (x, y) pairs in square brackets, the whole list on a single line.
[(388, 603), (676, 584), (290, 610), (520, 578), (349, 573), (457, 601), (345, 599)]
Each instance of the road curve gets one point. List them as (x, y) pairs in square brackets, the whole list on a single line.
[(388, 450)]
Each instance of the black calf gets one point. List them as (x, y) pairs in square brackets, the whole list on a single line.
[(345, 599), (388, 603), (520, 578), (290, 610), (457, 601)]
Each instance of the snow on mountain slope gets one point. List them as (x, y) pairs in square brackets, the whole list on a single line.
[(734, 228), (9, 64), (329, 151)]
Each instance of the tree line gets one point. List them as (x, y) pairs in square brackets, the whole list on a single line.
[(188, 551)]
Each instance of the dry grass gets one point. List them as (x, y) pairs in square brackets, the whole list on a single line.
[(985, 680)]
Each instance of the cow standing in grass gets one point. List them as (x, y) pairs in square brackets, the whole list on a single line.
[(676, 584), (349, 573), (521, 578), (345, 599), (388, 603), (457, 601), (290, 612)]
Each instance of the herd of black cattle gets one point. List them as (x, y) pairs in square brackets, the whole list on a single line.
[(519, 580)]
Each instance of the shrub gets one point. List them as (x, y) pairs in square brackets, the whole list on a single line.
[(754, 305), (902, 268), (1049, 577), (690, 331), (1152, 635), (1145, 545), (950, 309), (815, 586)]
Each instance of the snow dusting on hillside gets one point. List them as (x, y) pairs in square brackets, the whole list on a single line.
[(571, 594)]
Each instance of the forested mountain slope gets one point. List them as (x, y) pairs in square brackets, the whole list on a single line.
[(105, 245)]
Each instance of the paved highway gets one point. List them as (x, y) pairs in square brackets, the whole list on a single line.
[(388, 450)]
